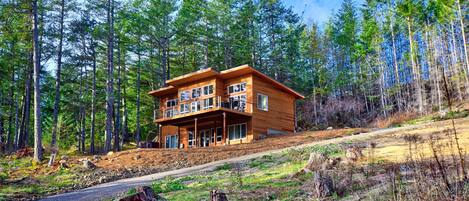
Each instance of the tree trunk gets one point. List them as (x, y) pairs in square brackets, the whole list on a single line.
[(57, 79), (463, 34), (117, 129), (416, 71), (137, 130), (93, 100), (10, 116), (396, 69), (26, 111), (110, 82), (37, 91)]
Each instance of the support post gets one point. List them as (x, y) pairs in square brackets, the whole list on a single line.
[(224, 128), (214, 133), (160, 136), (179, 137), (195, 133)]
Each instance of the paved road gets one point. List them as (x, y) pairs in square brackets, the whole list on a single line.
[(107, 190)]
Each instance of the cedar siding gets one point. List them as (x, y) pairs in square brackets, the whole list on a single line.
[(225, 122)]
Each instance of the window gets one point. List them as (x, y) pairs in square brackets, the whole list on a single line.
[(219, 134), (185, 95), (171, 112), (208, 103), (196, 92), (208, 90), (184, 108), (171, 141), (212, 139), (191, 139), (237, 87), (262, 102), (171, 103), (237, 131), (195, 106), (238, 102)]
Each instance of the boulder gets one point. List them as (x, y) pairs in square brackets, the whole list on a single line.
[(217, 195), (323, 185), (87, 164), (315, 162), (329, 128), (353, 153), (110, 153)]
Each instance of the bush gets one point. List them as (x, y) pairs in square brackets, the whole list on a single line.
[(226, 166), (452, 115)]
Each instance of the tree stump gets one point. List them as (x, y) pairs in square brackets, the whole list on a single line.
[(315, 162), (353, 153), (323, 185), (217, 195)]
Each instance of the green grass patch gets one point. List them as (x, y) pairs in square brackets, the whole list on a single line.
[(226, 166)]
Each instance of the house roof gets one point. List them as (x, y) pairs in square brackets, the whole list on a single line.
[(226, 74)]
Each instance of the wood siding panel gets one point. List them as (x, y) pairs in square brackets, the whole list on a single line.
[(280, 114)]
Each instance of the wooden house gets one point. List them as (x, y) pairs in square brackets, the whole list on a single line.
[(210, 108)]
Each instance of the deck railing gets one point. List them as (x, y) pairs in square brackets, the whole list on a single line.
[(195, 106)]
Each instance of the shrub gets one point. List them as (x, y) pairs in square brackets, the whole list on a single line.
[(226, 166)]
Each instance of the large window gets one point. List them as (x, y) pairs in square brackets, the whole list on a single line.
[(237, 87), (262, 102), (237, 131), (171, 141), (238, 102), (183, 108), (171, 103), (208, 90), (208, 103), (196, 92), (195, 106), (185, 95)]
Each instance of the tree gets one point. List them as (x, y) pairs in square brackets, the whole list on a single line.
[(37, 91), (110, 75)]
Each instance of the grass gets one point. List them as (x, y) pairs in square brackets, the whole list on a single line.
[(39, 180)]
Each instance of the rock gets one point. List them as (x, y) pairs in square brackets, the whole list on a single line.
[(63, 164), (323, 185), (353, 153), (64, 157), (136, 157), (82, 159), (329, 128), (96, 157), (87, 164), (217, 195), (110, 153), (315, 162), (102, 179)]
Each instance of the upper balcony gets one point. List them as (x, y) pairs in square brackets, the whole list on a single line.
[(176, 109)]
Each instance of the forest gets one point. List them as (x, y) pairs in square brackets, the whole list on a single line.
[(75, 74)]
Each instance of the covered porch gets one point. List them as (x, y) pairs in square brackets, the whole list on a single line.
[(213, 128)]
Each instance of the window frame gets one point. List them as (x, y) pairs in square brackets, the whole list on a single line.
[(237, 131), (259, 102), (210, 86), (185, 91), (186, 107), (205, 107), (238, 85)]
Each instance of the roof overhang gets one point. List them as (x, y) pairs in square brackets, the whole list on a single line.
[(163, 91), (191, 77)]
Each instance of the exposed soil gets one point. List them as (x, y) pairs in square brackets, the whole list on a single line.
[(177, 158)]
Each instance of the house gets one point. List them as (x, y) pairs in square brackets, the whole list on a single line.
[(210, 108)]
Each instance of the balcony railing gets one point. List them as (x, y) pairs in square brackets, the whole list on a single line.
[(195, 106)]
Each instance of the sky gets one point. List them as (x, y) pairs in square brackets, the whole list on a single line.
[(317, 11)]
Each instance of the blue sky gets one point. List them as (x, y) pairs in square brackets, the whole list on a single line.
[(315, 10)]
